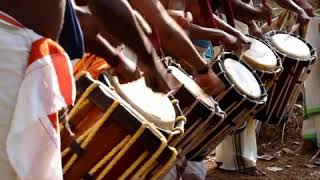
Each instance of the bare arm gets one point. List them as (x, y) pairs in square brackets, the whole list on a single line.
[(199, 32), (117, 18), (303, 17), (245, 12), (289, 4), (304, 4), (174, 40), (90, 32), (226, 27)]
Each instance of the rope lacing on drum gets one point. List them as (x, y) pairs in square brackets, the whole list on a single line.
[(91, 133)]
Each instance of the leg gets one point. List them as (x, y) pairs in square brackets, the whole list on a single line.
[(238, 152)]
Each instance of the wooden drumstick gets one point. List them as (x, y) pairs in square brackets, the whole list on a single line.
[(265, 3), (294, 28)]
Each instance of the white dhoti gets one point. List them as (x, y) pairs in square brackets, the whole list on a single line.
[(239, 151), (311, 124)]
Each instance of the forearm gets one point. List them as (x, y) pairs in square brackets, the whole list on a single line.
[(225, 26), (289, 4), (199, 32), (240, 7), (116, 17), (173, 39), (101, 47)]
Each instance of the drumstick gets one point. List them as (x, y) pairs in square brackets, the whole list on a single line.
[(294, 28), (285, 20), (215, 58), (265, 3)]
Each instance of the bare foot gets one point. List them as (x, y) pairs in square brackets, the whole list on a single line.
[(306, 147), (253, 171)]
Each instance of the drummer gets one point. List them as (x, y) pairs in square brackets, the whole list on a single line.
[(197, 30), (249, 167), (227, 148), (32, 67), (165, 27)]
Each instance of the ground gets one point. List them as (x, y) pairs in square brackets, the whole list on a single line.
[(295, 166)]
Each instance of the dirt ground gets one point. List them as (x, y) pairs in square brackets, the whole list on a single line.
[(295, 166)]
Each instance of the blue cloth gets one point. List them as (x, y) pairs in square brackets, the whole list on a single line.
[(205, 44), (71, 37)]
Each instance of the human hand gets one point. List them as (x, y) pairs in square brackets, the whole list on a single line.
[(125, 69), (210, 83), (306, 7), (264, 11), (230, 42), (154, 74), (303, 17), (254, 30), (239, 42)]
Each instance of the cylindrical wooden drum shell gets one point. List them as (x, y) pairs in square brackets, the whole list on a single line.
[(268, 77), (120, 124), (199, 116), (236, 105), (287, 87), (219, 127)]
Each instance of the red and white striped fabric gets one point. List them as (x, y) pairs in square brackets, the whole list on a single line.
[(33, 142)]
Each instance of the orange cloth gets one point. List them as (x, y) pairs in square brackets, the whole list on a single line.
[(91, 63)]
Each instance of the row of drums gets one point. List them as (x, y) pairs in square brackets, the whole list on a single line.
[(129, 132)]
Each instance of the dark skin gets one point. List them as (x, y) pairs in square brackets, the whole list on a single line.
[(98, 45), (251, 13), (112, 12), (306, 7), (48, 19), (231, 39), (205, 34), (121, 11), (199, 32)]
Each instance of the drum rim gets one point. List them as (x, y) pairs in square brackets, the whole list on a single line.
[(313, 55), (155, 116), (278, 69), (263, 97), (114, 96), (215, 103), (168, 61)]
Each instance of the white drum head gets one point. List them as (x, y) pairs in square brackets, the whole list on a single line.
[(260, 56), (242, 78), (291, 46), (158, 105), (192, 86)]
